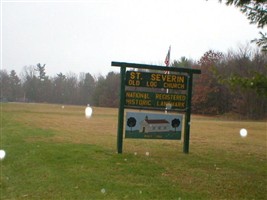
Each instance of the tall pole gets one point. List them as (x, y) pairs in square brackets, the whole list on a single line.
[(121, 111), (167, 63), (188, 113)]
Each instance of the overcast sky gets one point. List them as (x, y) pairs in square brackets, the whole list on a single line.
[(85, 36)]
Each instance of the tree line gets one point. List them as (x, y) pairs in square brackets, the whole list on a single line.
[(33, 85), (235, 82)]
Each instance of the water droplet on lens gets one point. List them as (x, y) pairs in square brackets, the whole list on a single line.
[(103, 190), (243, 132), (2, 154)]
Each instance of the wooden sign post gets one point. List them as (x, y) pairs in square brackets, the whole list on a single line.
[(155, 100)]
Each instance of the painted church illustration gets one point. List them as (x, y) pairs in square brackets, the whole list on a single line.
[(154, 125)]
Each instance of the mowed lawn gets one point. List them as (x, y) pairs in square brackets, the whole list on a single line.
[(54, 152)]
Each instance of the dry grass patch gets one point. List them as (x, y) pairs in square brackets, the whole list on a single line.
[(70, 123), (54, 143)]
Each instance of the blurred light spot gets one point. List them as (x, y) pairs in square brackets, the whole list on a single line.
[(243, 132), (2, 154), (103, 190), (88, 111)]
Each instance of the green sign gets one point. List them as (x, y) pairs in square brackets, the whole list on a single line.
[(157, 100), (156, 80), (136, 99)]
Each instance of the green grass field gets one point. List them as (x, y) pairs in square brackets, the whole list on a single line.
[(56, 153)]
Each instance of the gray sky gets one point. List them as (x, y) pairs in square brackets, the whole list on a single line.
[(85, 36)]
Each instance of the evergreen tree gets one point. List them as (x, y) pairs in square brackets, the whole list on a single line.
[(256, 12), (15, 86)]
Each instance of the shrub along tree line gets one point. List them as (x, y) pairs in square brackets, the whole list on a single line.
[(235, 82)]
